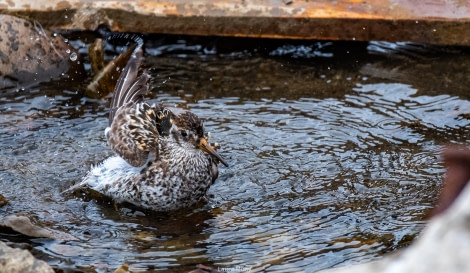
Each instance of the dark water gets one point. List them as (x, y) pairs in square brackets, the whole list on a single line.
[(333, 152)]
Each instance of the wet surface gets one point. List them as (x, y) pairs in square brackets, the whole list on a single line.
[(333, 151)]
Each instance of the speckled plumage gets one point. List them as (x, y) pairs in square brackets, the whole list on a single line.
[(163, 160)]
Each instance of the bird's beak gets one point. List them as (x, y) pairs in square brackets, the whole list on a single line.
[(205, 147)]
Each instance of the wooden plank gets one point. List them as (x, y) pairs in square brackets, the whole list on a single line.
[(445, 22)]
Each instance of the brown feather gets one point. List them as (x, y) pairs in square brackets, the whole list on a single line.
[(130, 87), (133, 132)]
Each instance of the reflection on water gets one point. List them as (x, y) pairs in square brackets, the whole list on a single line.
[(333, 156)]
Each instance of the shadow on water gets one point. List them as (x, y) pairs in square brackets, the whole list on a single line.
[(333, 150)]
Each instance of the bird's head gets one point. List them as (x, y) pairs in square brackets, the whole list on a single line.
[(186, 128)]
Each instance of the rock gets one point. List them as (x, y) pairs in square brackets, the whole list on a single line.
[(457, 162), (23, 225), (14, 260), (3, 201), (30, 55), (122, 269), (444, 245)]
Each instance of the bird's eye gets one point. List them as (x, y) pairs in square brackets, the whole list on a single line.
[(184, 133)]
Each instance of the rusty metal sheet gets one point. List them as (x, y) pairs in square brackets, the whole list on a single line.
[(444, 22)]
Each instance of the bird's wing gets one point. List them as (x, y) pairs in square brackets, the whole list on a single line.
[(132, 133), (130, 86)]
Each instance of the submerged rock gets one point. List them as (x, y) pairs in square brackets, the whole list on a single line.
[(30, 55), (22, 224), (444, 245), (122, 269), (14, 260)]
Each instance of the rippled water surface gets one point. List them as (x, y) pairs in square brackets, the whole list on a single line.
[(333, 151)]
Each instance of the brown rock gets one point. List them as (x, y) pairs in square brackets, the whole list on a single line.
[(457, 162), (29, 54), (122, 269)]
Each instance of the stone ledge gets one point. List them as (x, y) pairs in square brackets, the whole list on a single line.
[(444, 22)]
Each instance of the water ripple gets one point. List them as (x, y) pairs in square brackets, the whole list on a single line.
[(332, 160)]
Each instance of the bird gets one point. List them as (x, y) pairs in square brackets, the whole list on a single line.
[(163, 160)]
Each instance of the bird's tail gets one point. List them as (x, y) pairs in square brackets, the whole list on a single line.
[(75, 188)]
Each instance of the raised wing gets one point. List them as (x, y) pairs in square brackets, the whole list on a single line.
[(132, 133), (129, 87)]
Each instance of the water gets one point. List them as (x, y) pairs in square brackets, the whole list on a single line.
[(333, 151)]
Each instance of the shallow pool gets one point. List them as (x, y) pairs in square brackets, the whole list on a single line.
[(333, 151)]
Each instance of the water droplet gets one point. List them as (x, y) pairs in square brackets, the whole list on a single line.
[(67, 51), (73, 56), (66, 40)]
